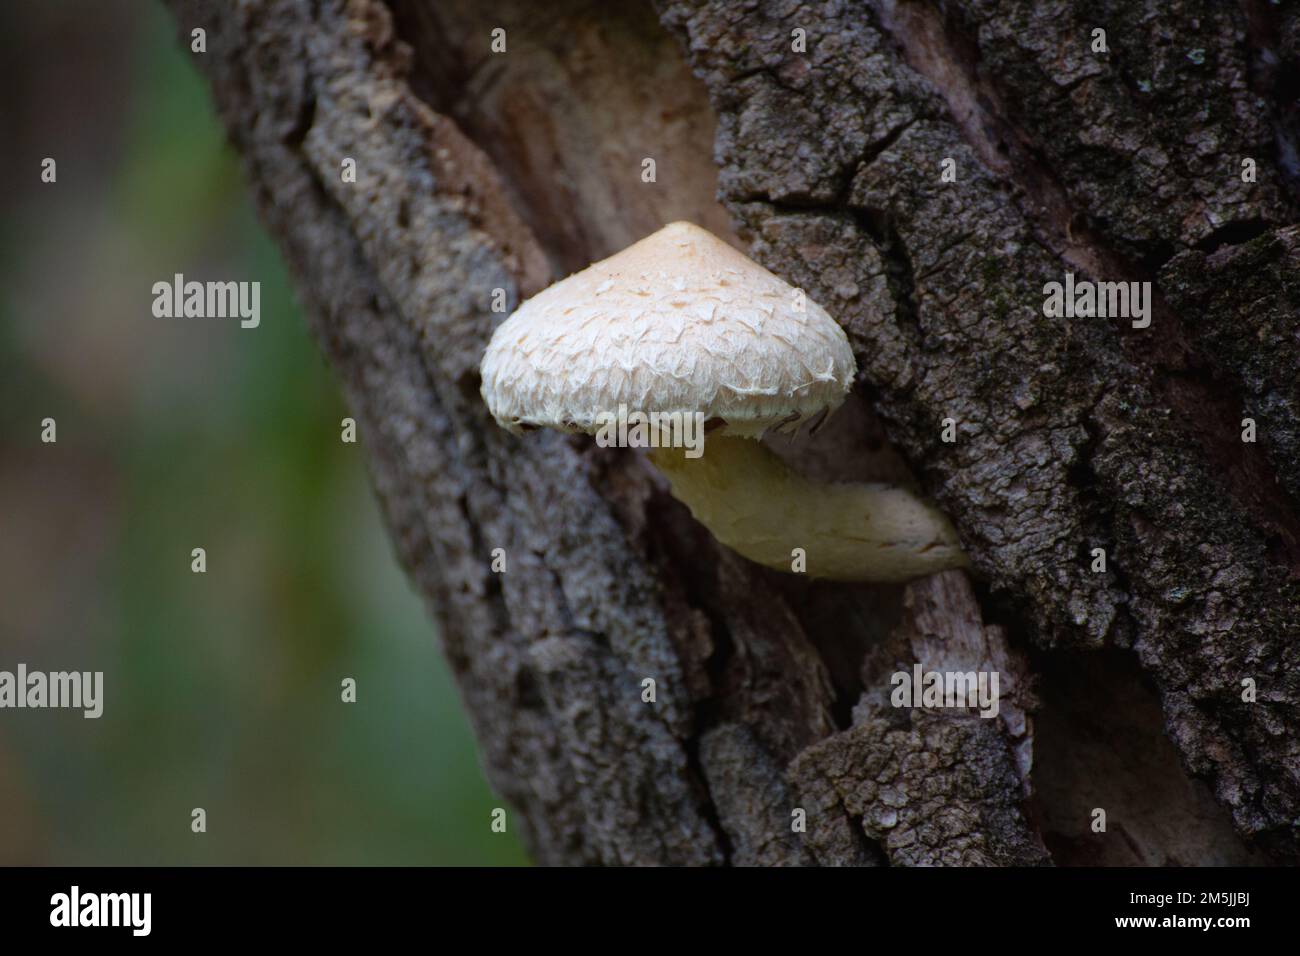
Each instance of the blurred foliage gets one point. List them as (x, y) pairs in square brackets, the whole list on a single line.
[(222, 690)]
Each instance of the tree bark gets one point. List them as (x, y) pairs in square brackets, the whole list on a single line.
[(1122, 690)]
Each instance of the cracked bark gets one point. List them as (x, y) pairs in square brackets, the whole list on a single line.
[(478, 172)]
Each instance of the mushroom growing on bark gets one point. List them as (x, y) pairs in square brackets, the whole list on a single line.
[(682, 324)]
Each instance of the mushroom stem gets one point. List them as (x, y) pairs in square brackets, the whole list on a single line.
[(751, 502)]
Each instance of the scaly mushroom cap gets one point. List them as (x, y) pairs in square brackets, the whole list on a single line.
[(678, 322)]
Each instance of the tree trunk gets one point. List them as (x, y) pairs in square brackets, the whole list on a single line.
[(1126, 689)]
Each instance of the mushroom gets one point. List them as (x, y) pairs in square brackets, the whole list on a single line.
[(681, 324)]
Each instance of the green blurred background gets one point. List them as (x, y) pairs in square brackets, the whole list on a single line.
[(222, 690)]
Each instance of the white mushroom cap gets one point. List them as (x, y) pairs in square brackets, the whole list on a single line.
[(678, 322)]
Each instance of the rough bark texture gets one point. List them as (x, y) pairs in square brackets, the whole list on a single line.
[(479, 171)]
